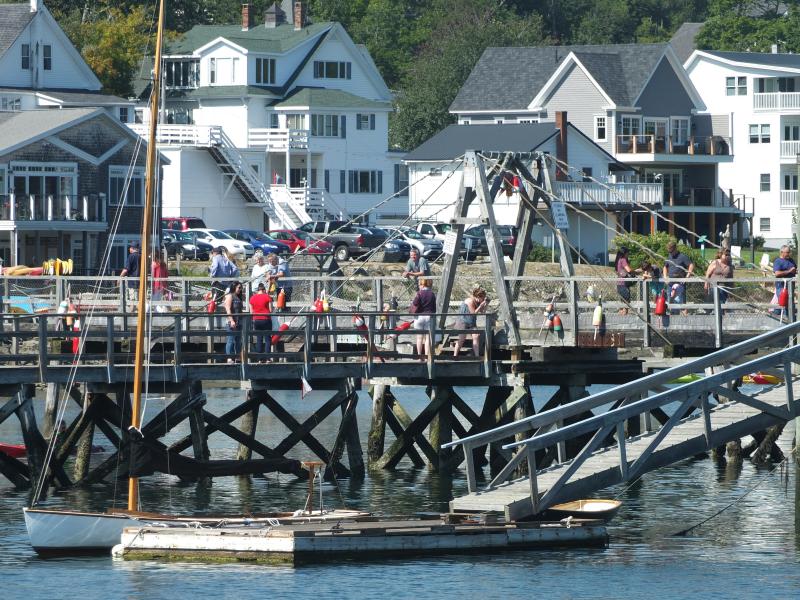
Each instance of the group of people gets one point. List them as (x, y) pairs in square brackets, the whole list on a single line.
[(679, 266)]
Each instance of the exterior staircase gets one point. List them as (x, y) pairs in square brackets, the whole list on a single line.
[(283, 210)]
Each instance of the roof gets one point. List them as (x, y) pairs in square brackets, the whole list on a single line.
[(70, 97), (683, 40), (453, 140), (221, 91), (259, 38), (17, 128), (759, 58), (621, 69), (14, 19), (328, 98)]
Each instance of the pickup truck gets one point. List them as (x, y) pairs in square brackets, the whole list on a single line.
[(470, 242), (346, 240)]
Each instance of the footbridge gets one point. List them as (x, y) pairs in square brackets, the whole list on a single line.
[(617, 435)]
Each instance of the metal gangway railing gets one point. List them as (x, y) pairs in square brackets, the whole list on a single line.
[(705, 399)]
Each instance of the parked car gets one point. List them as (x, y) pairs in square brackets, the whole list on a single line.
[(346, 241), (185, 245), (259, 240), (300, 240), (430, 249), (508, 237), (182, 223), (476, 245), (434, 231), (219, 238), (394, 250)]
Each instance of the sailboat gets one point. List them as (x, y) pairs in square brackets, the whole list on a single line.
[(67, 532)]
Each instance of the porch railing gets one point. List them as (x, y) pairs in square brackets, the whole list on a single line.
[(278, 139), (715, 145), (790, 148), (788, 198), (611, 193), (52, 208), (776, 101)]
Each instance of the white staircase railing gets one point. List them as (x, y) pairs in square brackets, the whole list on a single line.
[(287, 213)]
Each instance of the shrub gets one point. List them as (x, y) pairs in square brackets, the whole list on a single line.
[(656, 243), (540, 253)]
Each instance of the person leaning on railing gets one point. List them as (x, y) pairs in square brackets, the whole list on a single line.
[(784, 267), (719, 269)]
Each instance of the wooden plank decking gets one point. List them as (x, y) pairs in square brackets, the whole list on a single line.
[(729, 421)]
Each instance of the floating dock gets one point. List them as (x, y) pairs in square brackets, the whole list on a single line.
[(313, 542)]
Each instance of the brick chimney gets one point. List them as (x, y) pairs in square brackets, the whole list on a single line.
[(299, 15), (561, 144), (246, 21)]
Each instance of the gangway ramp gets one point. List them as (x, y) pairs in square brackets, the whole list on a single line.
[(694, 417)]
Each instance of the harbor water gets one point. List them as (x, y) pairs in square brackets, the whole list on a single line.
[(749, 549)]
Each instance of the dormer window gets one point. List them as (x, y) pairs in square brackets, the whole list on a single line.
[(326, 69), (26, 57), (47, 57), (184, 73), (265, 70)]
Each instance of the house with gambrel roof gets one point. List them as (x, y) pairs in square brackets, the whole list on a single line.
[(275, 120), (633, 100)]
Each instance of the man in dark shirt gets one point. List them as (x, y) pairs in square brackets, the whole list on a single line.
[(424, 306), (783, 268), (131, 270), (677, 266)]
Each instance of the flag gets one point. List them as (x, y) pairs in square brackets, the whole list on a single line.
[(305, 387)]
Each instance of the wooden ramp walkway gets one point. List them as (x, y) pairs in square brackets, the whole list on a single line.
[(695, 417)]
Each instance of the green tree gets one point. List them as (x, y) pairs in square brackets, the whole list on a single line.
[(461, 31), (751, 25)]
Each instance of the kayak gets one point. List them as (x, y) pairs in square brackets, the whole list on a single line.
[(687, 378), (761, 378), (13, 450)]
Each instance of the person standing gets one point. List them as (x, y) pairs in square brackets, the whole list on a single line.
[(677, 266), (234, 307), (260, 269), (719, 268), (131, 270), (784, 267), (625, 275), (278, 269), (159, 273), (474, 305), (417, 266), (260, 308), (423, 305)]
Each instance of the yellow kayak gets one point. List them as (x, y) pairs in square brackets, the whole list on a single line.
[(762, 379)]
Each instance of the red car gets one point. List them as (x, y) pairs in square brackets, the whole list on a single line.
[(300, 240)]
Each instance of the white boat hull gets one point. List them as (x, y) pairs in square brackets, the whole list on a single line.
[(72, 532)]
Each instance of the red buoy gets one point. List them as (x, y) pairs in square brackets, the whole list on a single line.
[(212, 306), (281, 302), (783, 299), (277, 338), (661, 304), (557, 326)]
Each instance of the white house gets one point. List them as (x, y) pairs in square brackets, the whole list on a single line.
[(757, 96), (40, 68), (435, 176), (276, 120)]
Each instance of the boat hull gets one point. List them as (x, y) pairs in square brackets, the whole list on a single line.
[(54, 532), (592, 508)]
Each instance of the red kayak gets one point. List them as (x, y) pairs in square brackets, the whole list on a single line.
[(13, 450)]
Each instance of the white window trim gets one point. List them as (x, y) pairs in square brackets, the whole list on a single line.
[(632, 119), (605, 127), (761, 224), (66, 169), (122, 171), (760, 183)]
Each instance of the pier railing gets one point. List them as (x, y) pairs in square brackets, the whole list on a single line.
[(547, 430), (719, 313)]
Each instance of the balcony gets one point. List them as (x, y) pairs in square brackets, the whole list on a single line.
[(790, 149), (777, 101), (788, 198), (182, 135), (272, 140), (278, 140), (54, 212), (611, 193), (649, 146)]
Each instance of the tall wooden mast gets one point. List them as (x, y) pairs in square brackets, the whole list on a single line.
[(144, 266)]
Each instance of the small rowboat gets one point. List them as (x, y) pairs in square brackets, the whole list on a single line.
[(590, 508), (762, 379), (13, 450)]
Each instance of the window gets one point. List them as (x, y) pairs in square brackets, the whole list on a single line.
[(765, 182), (365, 121), (630, 125), (587, 174), (786, 84), (332, 70), (791, 133), (763, 224), (125, 188), (365, 182), (222, 70), (754, 134), (273, 121), (435, 172), (183, 73), (47, 57), (325, 125), (327, 180), (123, 114), (401, 180), (178, 115), (212, 70), (736, 86), (680, 131), (790, 181), (265, 70), (342, 177), (25, 49), (600, 129), (295, 121), (765, 137)]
